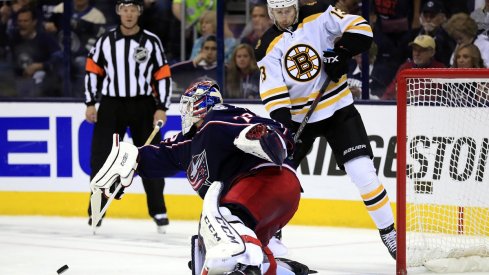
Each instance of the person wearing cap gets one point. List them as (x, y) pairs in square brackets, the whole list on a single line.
[(432, 17), (423, 50)]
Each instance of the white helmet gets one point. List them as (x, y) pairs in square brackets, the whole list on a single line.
[(281, 3), (278, 4)]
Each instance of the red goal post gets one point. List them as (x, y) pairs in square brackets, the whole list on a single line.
[(442, 120)]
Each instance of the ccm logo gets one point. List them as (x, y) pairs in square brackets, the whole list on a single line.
[(361, 146), (225, 228)]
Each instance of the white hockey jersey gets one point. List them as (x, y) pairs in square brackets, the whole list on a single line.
[(291, 64)]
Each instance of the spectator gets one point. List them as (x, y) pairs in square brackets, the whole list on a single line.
[(393, 22), (463, 29), (46, 9), (431, 19), (466, 94), (355, 75), (242, 74), (201, 67), (208, 26), (260, 22), (481, 17), (423, 50), (107, 8), (87, 24), (86, 18), (9, 12), (468, 56), (35, 57), (194, 9), (454, 6), (157, 18)]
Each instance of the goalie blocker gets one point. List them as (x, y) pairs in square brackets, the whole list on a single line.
[(116, 174)]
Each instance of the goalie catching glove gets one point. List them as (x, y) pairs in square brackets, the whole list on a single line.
[(262, 141)]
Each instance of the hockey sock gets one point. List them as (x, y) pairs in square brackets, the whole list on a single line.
[(362, 172)]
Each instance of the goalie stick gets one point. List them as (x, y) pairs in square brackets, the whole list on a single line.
[(311, 110), (96, 198)]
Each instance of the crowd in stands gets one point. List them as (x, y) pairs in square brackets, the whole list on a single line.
[(407, 34)]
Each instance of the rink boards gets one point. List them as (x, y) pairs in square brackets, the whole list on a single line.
[(44, 168)]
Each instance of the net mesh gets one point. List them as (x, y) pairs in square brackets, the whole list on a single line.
[(447, 184)]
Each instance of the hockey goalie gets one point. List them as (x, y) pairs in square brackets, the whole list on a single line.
[(237, 162)]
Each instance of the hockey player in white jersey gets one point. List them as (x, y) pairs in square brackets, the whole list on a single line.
[(295, 57)]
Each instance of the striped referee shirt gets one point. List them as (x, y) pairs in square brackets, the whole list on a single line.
[(128, 66)]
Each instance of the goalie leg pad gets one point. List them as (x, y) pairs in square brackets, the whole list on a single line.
[(227, 240), (119, 165)]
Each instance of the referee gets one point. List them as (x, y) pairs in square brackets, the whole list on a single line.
[(127, 69)]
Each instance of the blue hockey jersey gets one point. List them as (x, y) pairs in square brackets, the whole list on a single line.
[(209, 154)]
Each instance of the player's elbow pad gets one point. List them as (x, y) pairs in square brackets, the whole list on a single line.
[(354, 43), (262, 141)]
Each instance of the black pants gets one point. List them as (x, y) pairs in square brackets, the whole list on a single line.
[(345, 133), (115, 115)]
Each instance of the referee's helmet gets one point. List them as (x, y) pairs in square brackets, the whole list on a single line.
[(138, 3)]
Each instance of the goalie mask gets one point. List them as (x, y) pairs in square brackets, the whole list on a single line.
[(197, 101), (281, 14)]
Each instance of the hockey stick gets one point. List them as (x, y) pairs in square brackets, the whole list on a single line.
[(311, 110), (96, 198)]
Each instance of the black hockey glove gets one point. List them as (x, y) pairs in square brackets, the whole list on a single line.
[(336, 63), (283, 116)]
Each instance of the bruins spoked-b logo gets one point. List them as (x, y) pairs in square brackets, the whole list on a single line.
[(140, 54), (302, 63)]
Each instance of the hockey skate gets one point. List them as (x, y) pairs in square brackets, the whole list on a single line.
[(296, 267), (162, 222), (245, 270), (389, 238)]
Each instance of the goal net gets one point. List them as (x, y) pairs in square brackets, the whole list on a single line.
[(442, 170)]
